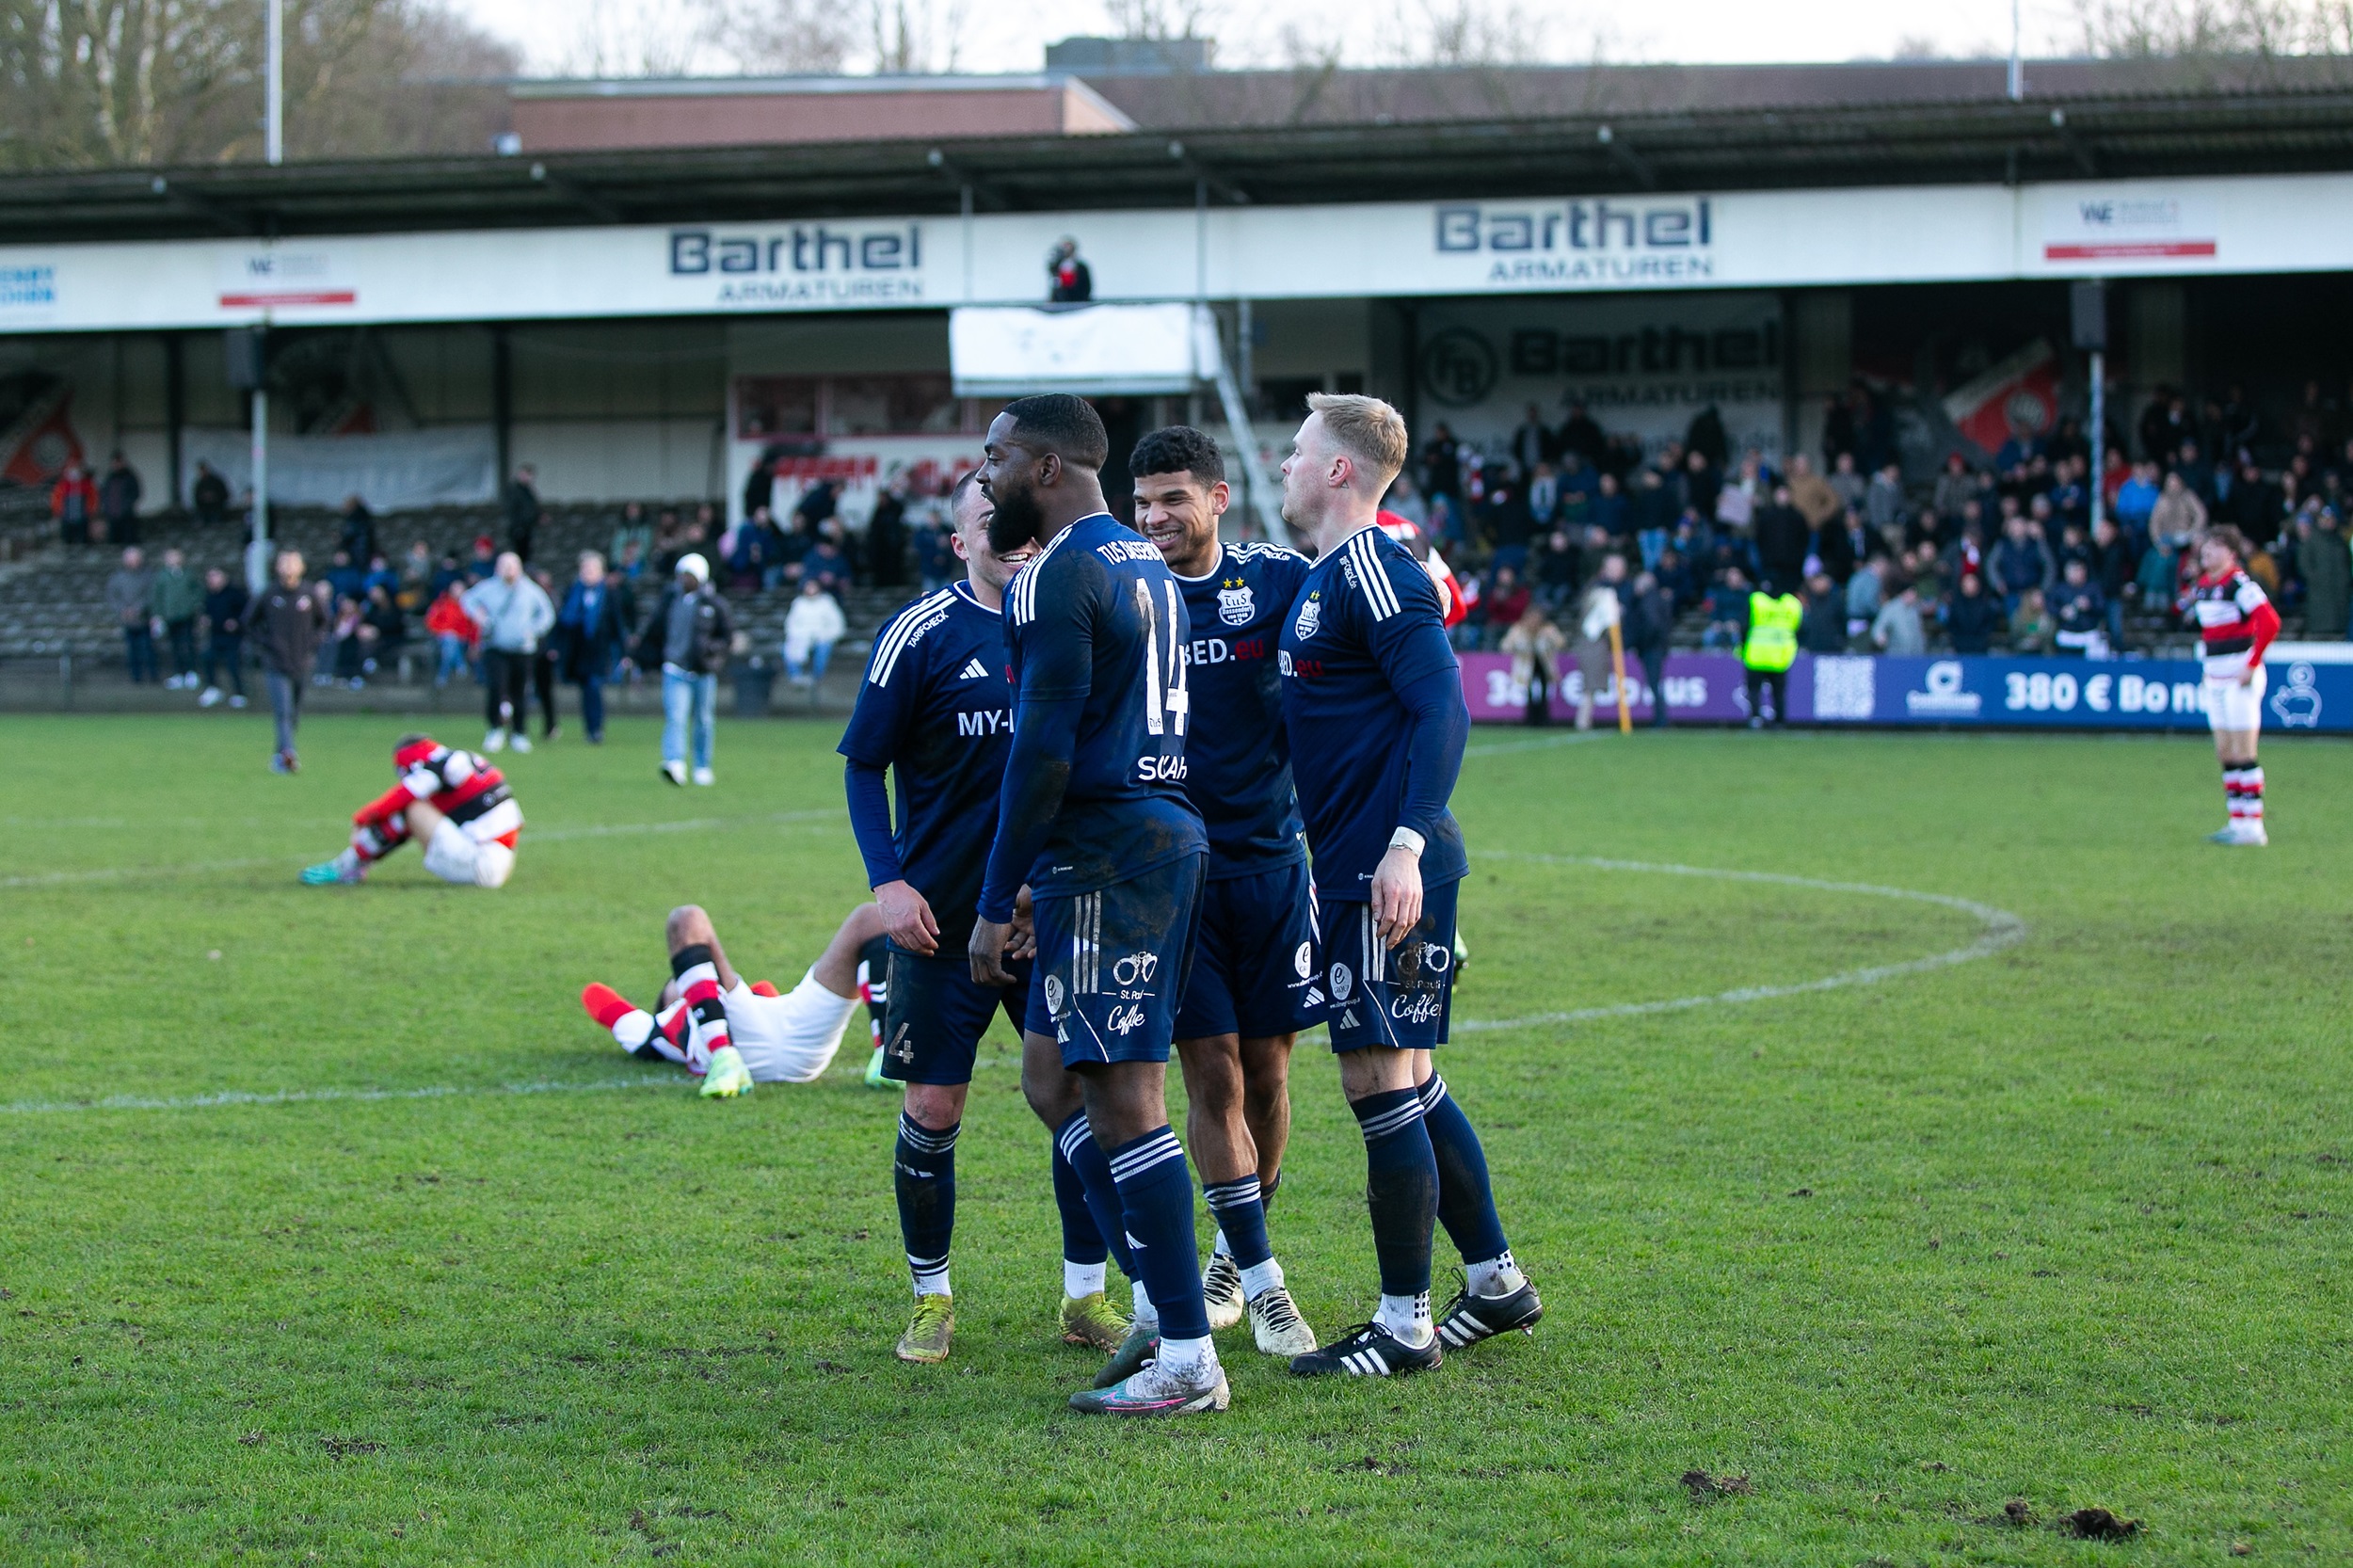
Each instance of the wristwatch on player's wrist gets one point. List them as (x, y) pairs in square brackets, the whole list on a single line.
[(1408, 840)]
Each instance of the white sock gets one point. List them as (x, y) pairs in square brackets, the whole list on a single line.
[(633, 1029), (1407, 1316), (1259, 1278), (1185, 1356), (1222, 1245), (930, 1281), (1498, 1276), (1146, 1313), (1080, 1279)]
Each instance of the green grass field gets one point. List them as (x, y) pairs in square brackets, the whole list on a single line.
[(2063, 1225)]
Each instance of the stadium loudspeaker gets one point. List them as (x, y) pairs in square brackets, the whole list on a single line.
[(2088, 312)]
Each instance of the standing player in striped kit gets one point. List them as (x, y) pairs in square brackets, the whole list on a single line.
[(2235, 622), (1372, 696)]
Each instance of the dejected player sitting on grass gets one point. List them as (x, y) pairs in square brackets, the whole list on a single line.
[(453, 803), (710, 1022)]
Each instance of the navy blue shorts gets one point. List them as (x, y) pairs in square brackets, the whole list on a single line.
[(936, 1014), (1399, 996), (1253, 966), (1111, 965)]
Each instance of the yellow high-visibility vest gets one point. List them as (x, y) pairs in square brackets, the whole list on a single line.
[(1772, 642)]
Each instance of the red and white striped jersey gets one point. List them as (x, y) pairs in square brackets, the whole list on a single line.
[(1405, 531), (461, 785), (2235, 617)]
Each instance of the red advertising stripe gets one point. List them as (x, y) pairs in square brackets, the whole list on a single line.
[(2137, 250), (317, 297)]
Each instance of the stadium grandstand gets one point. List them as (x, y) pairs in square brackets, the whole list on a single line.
[(1820, 322)]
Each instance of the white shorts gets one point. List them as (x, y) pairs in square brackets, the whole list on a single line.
[(2231, 706), (787, 1039), (457, 856)]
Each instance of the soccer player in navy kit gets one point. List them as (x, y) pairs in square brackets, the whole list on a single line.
[(1253, 984), (936, 711), (1374, 699), (1093, 821)]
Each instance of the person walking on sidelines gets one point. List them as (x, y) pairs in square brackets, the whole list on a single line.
[(225, 603), (687, 638), (514, 613), (1650, 622), (129, 587), (177, 599), (594, 633), (292, 616), (1767, 649)]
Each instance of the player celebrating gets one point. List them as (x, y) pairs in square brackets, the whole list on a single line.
[(1253, 984), (453, 802), (1374, 699), (709, 1021), (2237, 622), (1093, 820), (936, 711)]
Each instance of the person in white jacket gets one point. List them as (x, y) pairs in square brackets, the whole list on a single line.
[(1598, 612), (811, 627), (514, 613)]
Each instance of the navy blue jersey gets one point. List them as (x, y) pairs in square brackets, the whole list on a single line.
[(1238, 759), (936, 709), (1366, 625), (1095, 629)]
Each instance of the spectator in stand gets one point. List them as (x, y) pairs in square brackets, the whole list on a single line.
[(629, 565), (341, 664), (453, 633), (383, 632), (936, 557), (1442, 465), (224, 637), (1532, 443), (1823, 624), (1839, 546), (2078, 611), (594, 634), (521, 504), (1955, 489), (1926, 531), (1556, 570), (887, 538), (359, 534), (1649, 628), (176, 599), (1544, 496), (1068, 280), (514, 615), (289, 621), (209, 496), (1406, 502), (2179, 515), (2020, 564), (2197, 472), (633, 528), (811, 627), (2111, 560), (2030, 626), (2254, 504), (1611, 512), (1601, 607), (1810, 493), (73, 504), (688, 639), (415, 590), (118, 500), (828, 564), (1865, 591), (1972, 616), (1702, 483), (1883, 500), (816, 507), (1652, 504), (1850, 487), (1727, 607), (1510, 527), (484, 563), (1504, 602), (381, 575), (1896, 629), (1534, 644), (127, 595), (2137, 497), (2323, 562), (1783, 538), (1581, 434)]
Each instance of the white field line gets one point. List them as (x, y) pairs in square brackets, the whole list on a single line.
[(532, 835), (2002, 929)]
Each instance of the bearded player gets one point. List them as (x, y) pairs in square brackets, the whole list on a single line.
[(453, 802), (1252, 986), (2236, 622), (932, 726), (1372, 696), (734, 1035)]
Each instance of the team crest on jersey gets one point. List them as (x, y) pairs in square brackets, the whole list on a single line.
[(1310, 617), (1234, 604)]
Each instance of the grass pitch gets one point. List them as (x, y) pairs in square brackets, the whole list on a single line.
[(1914, 1268)]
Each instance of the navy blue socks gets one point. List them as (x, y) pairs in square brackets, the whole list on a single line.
[(1074, 1141), (1156, 1200), (924, 1177), (1466, 1201), (1400, 1189)]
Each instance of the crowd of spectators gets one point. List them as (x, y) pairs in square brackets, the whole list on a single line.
[(1995, 554)]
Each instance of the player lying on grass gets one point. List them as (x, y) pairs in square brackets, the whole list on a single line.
[(453, 803), (710, 1022)]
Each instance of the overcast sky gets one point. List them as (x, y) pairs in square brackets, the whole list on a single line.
[(563, 35)]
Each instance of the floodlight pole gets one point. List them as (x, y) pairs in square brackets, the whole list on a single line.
[(2099, 434), (2017, 62), (274, 113)]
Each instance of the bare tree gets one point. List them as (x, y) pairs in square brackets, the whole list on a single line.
[(793, 37), (1163, 19), (2214, 29), (914, 38)]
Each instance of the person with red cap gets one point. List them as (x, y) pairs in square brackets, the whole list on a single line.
[(453, 803)]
